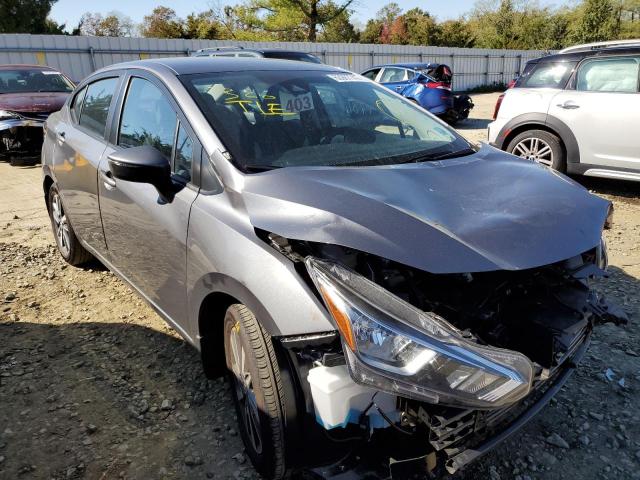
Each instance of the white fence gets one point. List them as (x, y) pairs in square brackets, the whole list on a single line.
[(79, 56)]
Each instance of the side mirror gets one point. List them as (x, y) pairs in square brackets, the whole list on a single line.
[(145, 164)]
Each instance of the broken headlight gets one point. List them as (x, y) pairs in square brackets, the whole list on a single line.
[(400, 349), (7, 115)]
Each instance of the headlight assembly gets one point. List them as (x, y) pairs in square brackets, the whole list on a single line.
[(400, 349), (7, 115)]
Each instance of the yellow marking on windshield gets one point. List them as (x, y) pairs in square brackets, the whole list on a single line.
[(250, 103)]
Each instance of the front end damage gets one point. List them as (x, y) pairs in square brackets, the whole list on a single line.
[(426, 372), (21, 137)]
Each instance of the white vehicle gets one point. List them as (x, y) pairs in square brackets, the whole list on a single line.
[(577, 111)]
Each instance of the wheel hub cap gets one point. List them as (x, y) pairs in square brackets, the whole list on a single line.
[(60, 226), (535, 149)]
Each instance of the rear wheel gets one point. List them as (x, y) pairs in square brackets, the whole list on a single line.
[(257, 390), (68, 245), (540, 146)]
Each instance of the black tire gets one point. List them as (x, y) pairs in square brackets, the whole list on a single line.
[(557, 161), (268, 452), (73, 253)]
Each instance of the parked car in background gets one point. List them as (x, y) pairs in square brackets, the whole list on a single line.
[(427, 84), (577, 111), (362, 273), (241, 52), (28, 95)]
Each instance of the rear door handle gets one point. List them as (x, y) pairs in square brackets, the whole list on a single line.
[(108, 180), (399, 87), (568, 106)]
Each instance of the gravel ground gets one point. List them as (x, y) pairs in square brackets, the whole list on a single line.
[(94, 385)]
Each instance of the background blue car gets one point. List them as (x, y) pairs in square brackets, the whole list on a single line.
[(427, 84)]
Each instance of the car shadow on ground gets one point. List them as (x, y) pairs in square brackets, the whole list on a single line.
[(103, 398), (472, 124), (606, 186)]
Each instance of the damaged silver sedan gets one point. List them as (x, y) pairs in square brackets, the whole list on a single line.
[(386, 298)]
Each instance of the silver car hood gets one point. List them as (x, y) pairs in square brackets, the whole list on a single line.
[(482, 212)]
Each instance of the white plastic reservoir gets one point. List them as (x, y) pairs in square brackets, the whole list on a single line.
[(338, 400)]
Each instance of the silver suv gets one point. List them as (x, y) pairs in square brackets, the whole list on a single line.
[(369, 281), (577, 111)]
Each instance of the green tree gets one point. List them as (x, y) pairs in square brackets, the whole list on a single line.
[(597, 22), (289, 19), (340, 29), (114, 24), (454, 33), (372, 32), (204, 25), (162, 22), (27, 16)]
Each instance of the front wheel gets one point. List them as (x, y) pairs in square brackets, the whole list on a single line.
[(68, 245), (540, 146), (257, 390)]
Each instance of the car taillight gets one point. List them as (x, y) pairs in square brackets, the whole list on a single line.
[(498, 103), (440, 85)]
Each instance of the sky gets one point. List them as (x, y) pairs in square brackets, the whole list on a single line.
[(70, 11)]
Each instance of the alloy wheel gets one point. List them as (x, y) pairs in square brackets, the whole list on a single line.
[(60, 225), (243, 384), (535, 149)]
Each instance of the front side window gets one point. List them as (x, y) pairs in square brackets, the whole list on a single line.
[(608, 75), (393, 74), (147, 118), (272, 119), (548, 75), (97, 101)]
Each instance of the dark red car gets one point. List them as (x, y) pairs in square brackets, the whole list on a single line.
[(28, 95)]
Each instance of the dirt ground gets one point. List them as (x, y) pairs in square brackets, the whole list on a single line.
[(94, 385)]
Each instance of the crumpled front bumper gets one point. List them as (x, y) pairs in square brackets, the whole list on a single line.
[(20, 122), (505, 423)]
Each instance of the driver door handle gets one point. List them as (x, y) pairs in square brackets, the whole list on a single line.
[(399, 87), (61, 136), (568, 105), (108, 180)]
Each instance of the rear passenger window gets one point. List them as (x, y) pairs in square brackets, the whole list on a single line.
[(97, 101), (76, 106), (608, 75), (371, 74), (147, 118), (548, 75)]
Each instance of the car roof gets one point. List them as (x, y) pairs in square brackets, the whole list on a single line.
[(24, 66), (414, 65), (194, 65), (576, 56)]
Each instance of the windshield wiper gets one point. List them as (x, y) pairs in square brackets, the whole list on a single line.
[(251, 167), (454, 154)]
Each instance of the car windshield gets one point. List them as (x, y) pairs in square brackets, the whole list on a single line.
[(271, 119), (18, 81)]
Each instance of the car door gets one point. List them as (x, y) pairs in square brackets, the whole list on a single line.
[(80, 147), (145, 233), (395, 78), (602, 109)]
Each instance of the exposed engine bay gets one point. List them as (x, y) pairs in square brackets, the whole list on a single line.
[(546, 314), (21, 144)]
